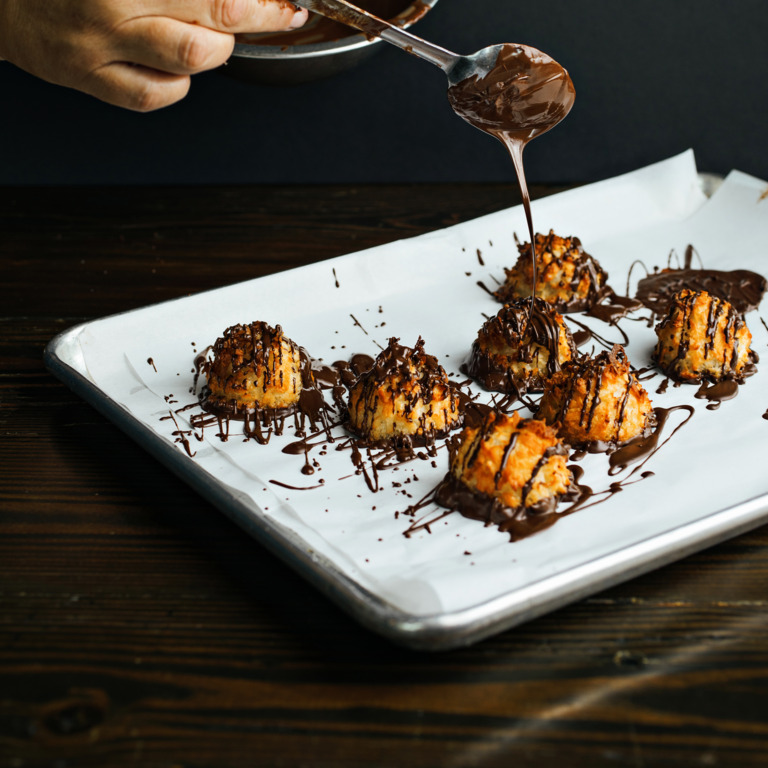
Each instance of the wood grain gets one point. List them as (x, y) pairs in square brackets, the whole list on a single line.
[(138, 626)]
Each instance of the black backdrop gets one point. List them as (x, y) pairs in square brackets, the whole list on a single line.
[(652, 79)]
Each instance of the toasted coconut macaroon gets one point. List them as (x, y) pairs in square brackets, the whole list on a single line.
[(508, 471), (253, 367), (405, 393), (566, 275), (702, 337), (597, 403), (519, 348)]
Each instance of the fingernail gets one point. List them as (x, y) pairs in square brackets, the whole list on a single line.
[(299, 19)]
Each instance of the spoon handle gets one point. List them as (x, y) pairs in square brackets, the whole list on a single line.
[(352, 16)]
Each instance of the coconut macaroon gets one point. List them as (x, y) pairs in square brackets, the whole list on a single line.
[(253, 367), (702, 337), (506, 465), (566, 275), (519, 348), (597, 403), (405, 393)]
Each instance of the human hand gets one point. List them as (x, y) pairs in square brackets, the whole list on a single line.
[(137, 54)]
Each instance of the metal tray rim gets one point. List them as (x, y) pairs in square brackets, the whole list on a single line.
[(436, 632)]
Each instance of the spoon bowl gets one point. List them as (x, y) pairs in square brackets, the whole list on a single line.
[(511, 89)]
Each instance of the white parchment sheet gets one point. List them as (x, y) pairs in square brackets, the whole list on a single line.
[(428, 286)]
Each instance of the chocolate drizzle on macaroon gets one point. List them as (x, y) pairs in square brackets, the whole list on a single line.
[(704, 339), (405, 395), (255, 374), (563, 274), (597, 403), (519, 348), (509, 472)]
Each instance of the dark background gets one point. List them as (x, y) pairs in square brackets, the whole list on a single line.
[(652, 79)]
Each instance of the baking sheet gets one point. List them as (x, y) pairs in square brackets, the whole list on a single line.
[(461, 581)]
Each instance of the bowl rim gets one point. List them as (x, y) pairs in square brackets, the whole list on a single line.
[(345, 44)]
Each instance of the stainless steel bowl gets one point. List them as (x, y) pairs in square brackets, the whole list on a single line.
[(289, 64)]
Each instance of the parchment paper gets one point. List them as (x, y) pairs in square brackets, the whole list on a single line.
[(427, 286)]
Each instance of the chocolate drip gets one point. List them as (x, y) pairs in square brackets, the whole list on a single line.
[(181, 435), (297, 488), (611, 307), (420, 376), (474, 412), (525, 94), (741, 288), (350, 372), (519, 523), (586, 334), (482, 285), (200, 360), (640, 449), (329, 378), (509, 448), (717, 392), (370, 457)]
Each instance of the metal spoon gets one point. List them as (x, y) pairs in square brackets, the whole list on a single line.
[(456, 67)]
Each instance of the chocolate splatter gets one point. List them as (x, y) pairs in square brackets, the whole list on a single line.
[(741, 288)]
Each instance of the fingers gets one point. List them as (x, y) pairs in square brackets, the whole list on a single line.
[(172, 46), (232, 16), (138, 88), (138, 54), (153, 56)]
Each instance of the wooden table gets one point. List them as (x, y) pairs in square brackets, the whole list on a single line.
[(139, 627)]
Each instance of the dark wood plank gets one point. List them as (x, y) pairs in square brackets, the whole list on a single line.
[(97, 251), (138, 626)]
